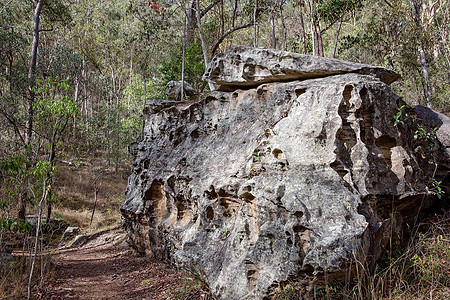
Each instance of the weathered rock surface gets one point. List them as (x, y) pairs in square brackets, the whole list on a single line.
[(70, 232), (429, 117), (173, 90), (275, 183), (243, 66), (78, 241)]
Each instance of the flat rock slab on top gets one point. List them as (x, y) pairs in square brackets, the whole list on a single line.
[(243, 66)]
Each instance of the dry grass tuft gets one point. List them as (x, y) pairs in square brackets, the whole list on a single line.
[(82, 217), (419, 271)]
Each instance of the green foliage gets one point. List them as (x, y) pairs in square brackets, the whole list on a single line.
[(194, 66), (12, 225), (435, 187), (333, 10), (14, 164), (53, 105), (424, 143)]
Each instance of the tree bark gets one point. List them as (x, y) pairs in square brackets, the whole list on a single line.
[(255, 26), (421, 53), (32, 71), (191, 22), (302, 29), (315, 30), (283, 23), (273, 39), (30, 111), (204, 47)]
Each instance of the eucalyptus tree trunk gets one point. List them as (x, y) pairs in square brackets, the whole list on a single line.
[(32, 71), (302, 29), (204, 47), (421, 52), (30, 102), (255, 26), (315, 29), (273, 39), (191, 22)]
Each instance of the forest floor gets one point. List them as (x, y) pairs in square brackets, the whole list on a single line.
[(106, 268)]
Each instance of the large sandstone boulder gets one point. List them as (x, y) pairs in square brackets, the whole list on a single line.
[(280, 182)]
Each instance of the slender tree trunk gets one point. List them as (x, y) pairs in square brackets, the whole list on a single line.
[(32, 71), (222, 18), (204, 47), (183, 58), (255, 26), (319, 37), (314, 33), (191, 20), (273, 39), (421, 52), (284, 27), (38, 228), (30, 111), (97, 186), (302, 29), (51, 160), (75, 98)]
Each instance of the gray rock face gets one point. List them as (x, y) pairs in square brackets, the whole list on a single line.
[(78, 241), (275, 183), (243, 66), (70, 232), (429, 117), (173, 90)]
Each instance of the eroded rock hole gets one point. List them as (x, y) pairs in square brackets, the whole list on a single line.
[(299, 228), (298, 214), (271, 239), (252, 273), (211, 194), (277, 153), (386, 143), (225, 203), (181, 208), (347, 94), (339, 168), (249, 197), (299, 92), (195, 133), (156, 195), (345, 137), (210, 213), (366, 112), (280, 192)]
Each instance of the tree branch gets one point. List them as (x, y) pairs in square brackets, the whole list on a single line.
[(206, 10), (13, 122), (227, 33), (389, 4), (50, 29)]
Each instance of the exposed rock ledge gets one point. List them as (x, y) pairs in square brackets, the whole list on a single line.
[(243, 66), (275, 183)]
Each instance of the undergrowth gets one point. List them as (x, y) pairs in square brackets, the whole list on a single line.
[(421, 270)]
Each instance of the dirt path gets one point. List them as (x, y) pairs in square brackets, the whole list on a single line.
[(105, 268)]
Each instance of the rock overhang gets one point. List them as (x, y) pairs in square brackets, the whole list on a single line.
[(248, 67)]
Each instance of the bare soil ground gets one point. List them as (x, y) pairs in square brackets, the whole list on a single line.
[(105, 268)]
